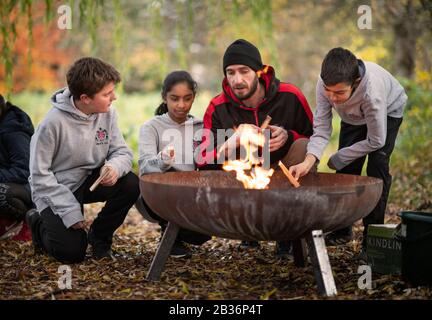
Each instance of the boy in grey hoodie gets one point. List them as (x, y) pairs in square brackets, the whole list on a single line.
[(370, 102), (78, 141)]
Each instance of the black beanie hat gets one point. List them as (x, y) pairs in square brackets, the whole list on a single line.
[(242, 52)]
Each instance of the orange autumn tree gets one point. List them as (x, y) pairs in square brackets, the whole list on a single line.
[(38, 59)]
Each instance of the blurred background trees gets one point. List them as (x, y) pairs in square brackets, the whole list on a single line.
[(145, 39)]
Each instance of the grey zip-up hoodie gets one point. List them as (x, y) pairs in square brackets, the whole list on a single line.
[(64, 150), (161, 131), (378, 96)]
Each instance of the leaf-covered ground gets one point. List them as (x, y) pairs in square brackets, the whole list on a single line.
[(217, 270)]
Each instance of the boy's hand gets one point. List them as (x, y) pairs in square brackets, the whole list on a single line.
[(78, 225), (111, 176), (330, 164), (302, 169), (278, 137)]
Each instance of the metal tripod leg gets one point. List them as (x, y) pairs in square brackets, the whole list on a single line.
[(163, 251), (321, 264), (299, 252)]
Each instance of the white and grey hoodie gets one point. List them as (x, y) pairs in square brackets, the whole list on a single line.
[(378, 96), (64, 150), (161, 131)]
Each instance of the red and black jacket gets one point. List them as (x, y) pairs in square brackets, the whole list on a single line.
[(284, 102)]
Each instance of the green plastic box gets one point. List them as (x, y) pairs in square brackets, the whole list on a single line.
[(384, 249)]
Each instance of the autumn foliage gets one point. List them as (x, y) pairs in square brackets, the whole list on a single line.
[(42, 67)]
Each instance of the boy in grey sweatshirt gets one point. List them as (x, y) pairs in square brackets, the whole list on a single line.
[(78, 141), (370, 102)]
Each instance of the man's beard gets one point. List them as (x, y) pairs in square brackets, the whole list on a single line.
[(251, 92)]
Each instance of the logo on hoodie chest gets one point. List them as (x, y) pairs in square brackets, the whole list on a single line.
[(101, 136)]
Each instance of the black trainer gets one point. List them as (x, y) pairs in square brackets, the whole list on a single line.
[(284, 249), (100, 249), (32, 218), (249, 244), (179, 250)]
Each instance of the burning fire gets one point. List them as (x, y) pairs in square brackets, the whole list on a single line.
[(250, 139)]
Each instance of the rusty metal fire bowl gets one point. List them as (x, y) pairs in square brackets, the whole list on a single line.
[(215, 203)]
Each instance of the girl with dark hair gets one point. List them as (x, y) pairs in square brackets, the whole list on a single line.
[(168, 141), (174, 78), (16, 130)]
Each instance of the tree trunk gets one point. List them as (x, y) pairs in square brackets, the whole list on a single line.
[(405, 47)]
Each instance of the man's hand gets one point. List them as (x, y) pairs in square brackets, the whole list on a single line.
[(302, 169), (278, 137), (111, 176), (229, 146)]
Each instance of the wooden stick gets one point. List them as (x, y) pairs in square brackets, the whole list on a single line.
[(288, 174), (96, 183), (266, 122)]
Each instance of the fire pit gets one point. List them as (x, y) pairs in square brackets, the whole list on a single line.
[(215, 203)]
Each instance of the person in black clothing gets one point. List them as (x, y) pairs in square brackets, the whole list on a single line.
[(16, 129), (251, 92)]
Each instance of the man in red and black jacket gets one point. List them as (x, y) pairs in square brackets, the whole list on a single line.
[(250, 93)]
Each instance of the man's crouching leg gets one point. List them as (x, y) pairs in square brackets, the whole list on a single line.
[(297, 153)]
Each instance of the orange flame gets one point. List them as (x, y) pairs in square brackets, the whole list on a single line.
[(259, 177)]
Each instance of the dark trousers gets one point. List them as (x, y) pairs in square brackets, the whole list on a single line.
[(377, 166), (15, 200), (68, 244)]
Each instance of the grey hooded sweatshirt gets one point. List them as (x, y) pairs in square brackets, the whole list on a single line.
[(66, 147), (378, 96), (160, 132)]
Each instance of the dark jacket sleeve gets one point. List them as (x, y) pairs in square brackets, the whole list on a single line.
[(303, 127), (17, 145), (303, 123), (207, 158)]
